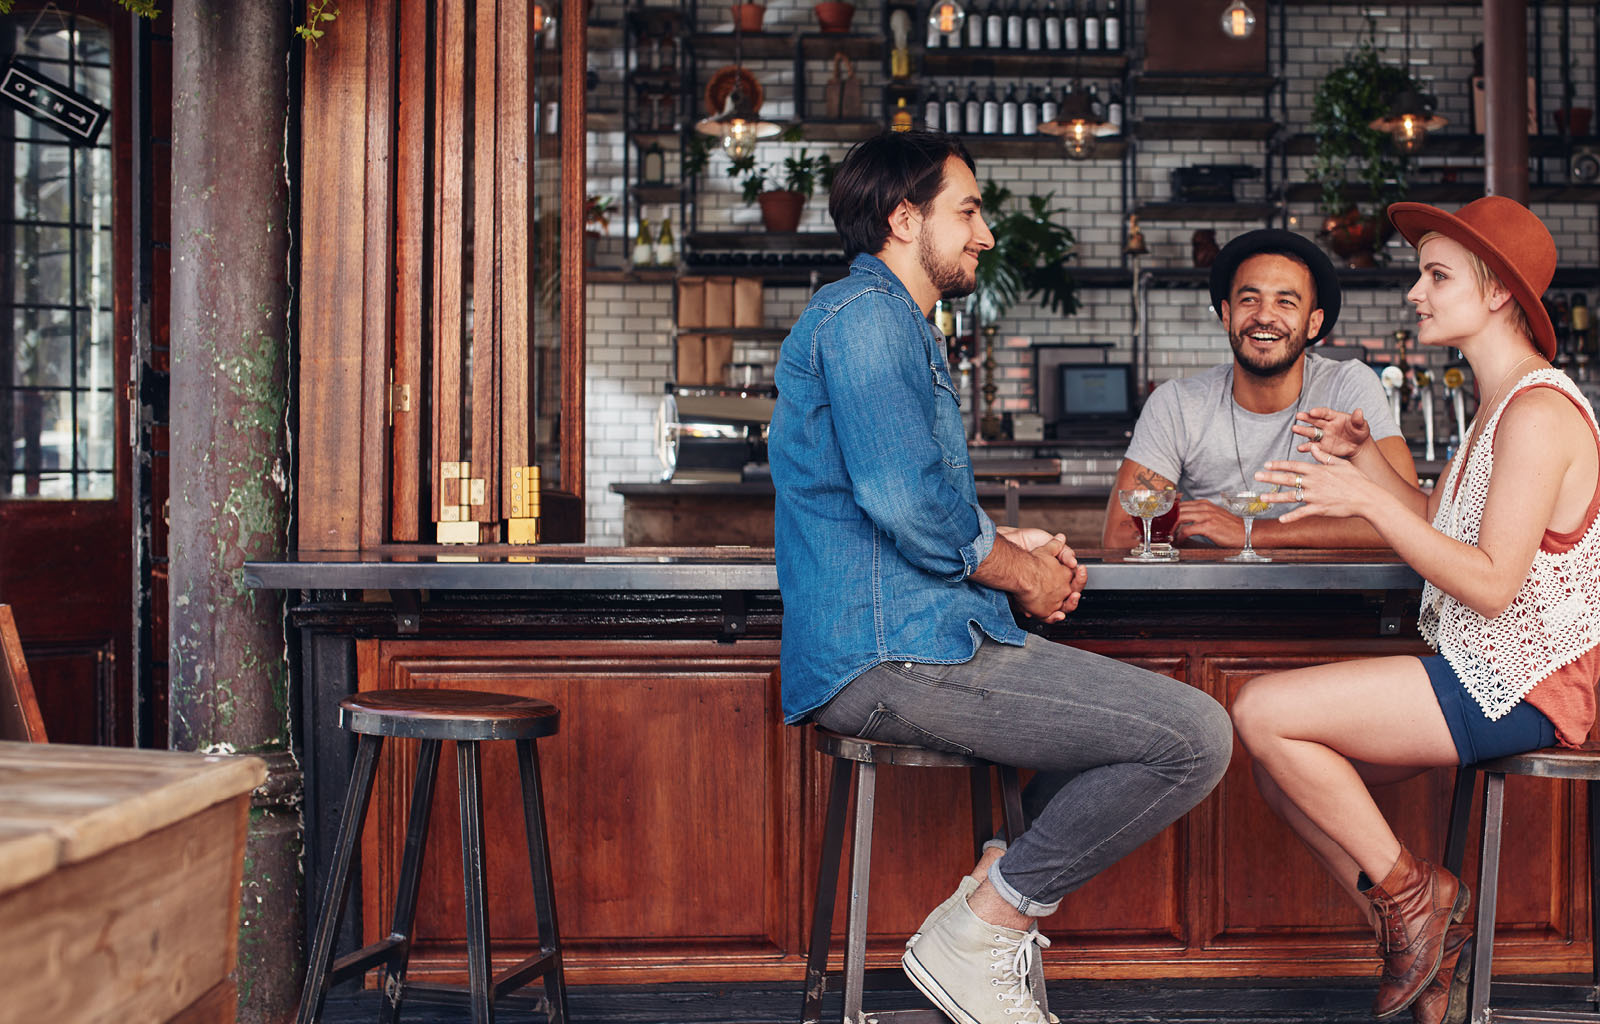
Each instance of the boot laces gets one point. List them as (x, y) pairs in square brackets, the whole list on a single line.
[(1011, 966)]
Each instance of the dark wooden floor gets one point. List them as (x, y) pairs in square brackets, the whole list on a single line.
[(1074, 1002)]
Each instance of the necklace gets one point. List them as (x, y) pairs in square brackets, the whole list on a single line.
[(1486, 409), (1233, 421)]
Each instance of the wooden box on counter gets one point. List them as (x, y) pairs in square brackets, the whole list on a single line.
[(119, 882)]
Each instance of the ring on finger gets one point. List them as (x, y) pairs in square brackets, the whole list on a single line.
[(1318, 435), (1299, 494), (1299, 481)]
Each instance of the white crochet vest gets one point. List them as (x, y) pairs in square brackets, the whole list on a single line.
[(1553, 619)]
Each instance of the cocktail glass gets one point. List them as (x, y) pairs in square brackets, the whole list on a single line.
[(1246, 505), (1162, 529), (1146, 503)]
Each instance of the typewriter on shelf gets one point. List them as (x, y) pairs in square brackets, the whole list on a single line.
[(1209, 183)]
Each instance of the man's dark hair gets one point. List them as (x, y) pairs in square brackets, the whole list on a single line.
[(880, 173)]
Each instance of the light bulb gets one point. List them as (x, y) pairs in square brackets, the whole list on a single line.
[(739, 138), (1238, 21), (946, 16), (1080, 139), (1410, 133), (540, 19)]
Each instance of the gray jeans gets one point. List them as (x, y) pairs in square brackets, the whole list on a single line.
[(1121, 752)]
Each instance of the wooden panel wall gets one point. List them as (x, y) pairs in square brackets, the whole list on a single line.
[(685, 821)]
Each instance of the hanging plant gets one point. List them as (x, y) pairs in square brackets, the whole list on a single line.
[(1352, 96)]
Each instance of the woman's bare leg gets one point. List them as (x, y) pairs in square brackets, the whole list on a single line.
[(1314, 731)]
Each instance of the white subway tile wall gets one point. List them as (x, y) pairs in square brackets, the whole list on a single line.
[(630, 327)]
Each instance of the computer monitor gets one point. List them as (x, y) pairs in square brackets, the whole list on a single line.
[(1088, 392)]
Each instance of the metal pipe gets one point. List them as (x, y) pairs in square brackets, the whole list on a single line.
[(1505, 69)]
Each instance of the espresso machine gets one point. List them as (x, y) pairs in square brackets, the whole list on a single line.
[(713, 434)]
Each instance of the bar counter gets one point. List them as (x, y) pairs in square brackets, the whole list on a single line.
[(685, 816)]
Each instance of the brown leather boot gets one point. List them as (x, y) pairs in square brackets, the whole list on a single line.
[(1444, 1001), (1415, 906)]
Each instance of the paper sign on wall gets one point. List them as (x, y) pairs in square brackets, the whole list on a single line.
[(69, 111)]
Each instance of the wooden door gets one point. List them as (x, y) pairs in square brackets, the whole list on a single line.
[(65, 529)]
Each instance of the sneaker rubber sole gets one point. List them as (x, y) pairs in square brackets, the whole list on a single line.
[(933, 990)]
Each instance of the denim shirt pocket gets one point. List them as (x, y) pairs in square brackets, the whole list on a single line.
[(948, 429)]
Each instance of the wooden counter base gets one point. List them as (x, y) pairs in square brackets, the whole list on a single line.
[(685, 818)]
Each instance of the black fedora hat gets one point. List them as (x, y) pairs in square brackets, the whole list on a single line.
[(1273, 240)]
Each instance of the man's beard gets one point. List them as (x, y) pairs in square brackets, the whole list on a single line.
[(1265, 366), (951, 281)]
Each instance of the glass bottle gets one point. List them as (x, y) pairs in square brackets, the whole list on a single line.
[(643, 247), (1033, 26), (1071, 27), (1030, 111), (952, 109), (1009, 111), (931, 108), (653, 166), (1091, 25), (976, 19), (666, 253), (994, 27), (1052, 25), (991, 112), (973, 121), (902, 116), (1015, 33), (1111, 27), (1048, 106), (1114, 109)]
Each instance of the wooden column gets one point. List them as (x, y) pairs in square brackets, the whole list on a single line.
[(1505, 69), (230, 463)]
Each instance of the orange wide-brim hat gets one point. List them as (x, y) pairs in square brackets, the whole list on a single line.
[(1511, 241)]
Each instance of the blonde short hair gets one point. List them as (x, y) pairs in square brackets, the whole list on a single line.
[(1486, 279)]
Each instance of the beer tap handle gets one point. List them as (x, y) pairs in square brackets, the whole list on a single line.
[(1393, 378), (1424, 394), (1454, 385)]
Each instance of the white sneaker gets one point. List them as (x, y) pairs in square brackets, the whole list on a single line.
[(976, 972), (964, 891)]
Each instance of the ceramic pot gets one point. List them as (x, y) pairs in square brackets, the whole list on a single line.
[(834, 16), (747, 17), (780, 211), (1355, 237)]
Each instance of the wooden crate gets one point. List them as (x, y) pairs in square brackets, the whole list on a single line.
[(122, 869)]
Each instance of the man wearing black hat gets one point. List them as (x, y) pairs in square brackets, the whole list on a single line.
[(1276, 294)]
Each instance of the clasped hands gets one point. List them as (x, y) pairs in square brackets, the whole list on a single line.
[(1060, 578)]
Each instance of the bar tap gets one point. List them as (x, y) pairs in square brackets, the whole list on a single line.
[(1393, 379), (1454, 387), (1424, 397)]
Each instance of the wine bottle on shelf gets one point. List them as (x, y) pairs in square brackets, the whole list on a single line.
[(1032, 26), (1030, 111), (935, 37), (1015, 31), (973, 121), (666, 252), (1052, 25), (952, 109), (1071, 27), (931, 108), (994, 27), (1010, 111), (976, 20), (1582, 331), (1091, 25), (1048, 105), (643, 244), (1111, 27), (944, 318), (1097, 109), (1114, 109), (991, 112)]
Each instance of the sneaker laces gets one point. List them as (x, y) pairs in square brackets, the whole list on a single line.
[(1014, 965)]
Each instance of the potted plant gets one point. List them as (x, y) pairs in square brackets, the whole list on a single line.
[(834, 16), (1030, 255), (782, 190), (1353, 95), (596, 219)]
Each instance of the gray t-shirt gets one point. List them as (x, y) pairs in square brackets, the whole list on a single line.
[(1192, 432)]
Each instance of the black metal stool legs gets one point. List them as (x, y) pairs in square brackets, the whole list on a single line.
[(392, 984), (350, 822), (827, 892), (470, 792), (855, 943), (1494, 801), (544, 891)]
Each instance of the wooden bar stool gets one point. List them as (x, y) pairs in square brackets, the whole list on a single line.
[(1550, 763), (861, 758), (433, 716)]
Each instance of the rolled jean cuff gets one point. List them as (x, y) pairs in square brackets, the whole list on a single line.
[(1024, 905), (995, 844)]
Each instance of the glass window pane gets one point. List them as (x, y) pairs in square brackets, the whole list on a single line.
[(96, 486), (96, 351), (96, 431), (41, 431), (41, 261), (42, 343)]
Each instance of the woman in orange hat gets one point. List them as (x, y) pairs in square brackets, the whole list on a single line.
[(1508, 548)]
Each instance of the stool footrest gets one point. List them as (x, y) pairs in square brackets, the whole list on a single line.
[(833, 981), (363, 959), (440, 994), (1503, 1016), (519, 974), (1549, 990)]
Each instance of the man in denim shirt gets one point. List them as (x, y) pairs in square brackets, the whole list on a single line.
[(897, 588)]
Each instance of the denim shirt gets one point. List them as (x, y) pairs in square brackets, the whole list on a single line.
[(878, 527)]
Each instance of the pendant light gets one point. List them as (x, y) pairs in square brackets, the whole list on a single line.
[(738, 122), (1077, 124), (946, 16), (1238, 21), (1410, 117), (541, 16)]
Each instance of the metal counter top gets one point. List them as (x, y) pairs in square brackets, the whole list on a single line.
[(702, 570)]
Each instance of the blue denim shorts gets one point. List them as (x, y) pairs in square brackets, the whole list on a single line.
[(1522, 728)]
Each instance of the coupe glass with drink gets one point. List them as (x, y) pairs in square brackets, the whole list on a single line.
[(1147, 504), (1246, 505)]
